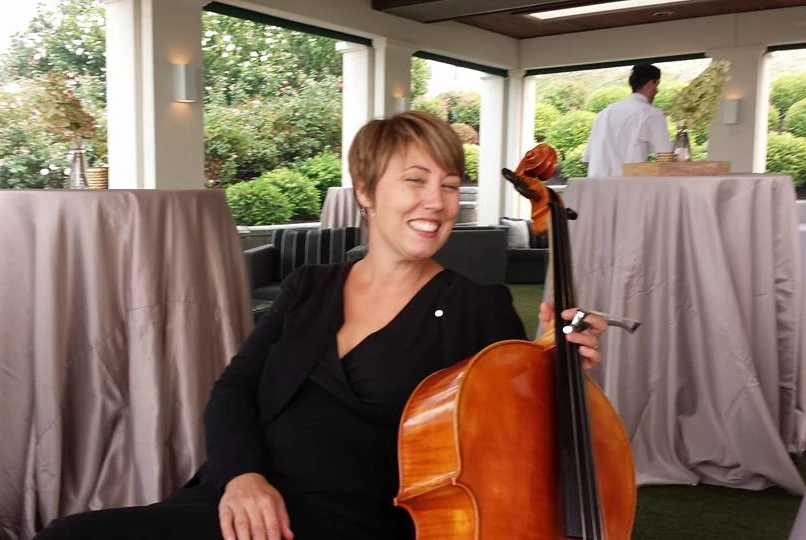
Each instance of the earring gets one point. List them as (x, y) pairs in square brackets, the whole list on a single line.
[(363, 212)]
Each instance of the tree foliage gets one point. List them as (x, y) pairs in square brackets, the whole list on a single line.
[(773, 119), (420, 75), (466, 133), (324, 170), (467, 110), (564, 96), (573, 166), (667, 91), (605, 96)]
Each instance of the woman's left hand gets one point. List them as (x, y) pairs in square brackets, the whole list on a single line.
[(588, 339)]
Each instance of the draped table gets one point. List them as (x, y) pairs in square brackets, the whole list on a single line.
[(119, 311), (711, 386), (340, 209)]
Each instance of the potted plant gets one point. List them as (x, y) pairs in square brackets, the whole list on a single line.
[(66, 117), (695, 105)]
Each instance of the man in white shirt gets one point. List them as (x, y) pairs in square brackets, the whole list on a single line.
[(630, 130)]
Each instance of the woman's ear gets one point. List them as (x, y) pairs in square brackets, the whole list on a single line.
[(361, 193)]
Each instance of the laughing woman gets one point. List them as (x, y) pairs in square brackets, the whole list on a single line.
[(302, 426)]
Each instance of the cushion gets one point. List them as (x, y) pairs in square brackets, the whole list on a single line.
[(313, 246), (517, 232)]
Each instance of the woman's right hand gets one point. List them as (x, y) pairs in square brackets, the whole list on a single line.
[(252, 509)]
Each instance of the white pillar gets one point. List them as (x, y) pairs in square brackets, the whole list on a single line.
[(519, 136), (523, 207), (492, 149), (743, 144), (154, 142), (392, 76), (356, 91)]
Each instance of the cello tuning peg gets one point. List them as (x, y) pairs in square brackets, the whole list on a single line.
[(571, 214)]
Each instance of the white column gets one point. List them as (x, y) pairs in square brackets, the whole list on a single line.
[(522, 206), (392, 76), (154, 142), (356, 92), (743, 144), (519, 133), (492, 149)]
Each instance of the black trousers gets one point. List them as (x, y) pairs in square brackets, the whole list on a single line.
[(188, 514)]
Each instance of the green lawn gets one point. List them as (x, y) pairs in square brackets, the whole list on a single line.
[(693, 512)]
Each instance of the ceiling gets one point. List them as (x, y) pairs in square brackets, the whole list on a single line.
[(510, 17)]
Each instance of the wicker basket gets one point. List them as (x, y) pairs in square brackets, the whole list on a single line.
[(98, 178)]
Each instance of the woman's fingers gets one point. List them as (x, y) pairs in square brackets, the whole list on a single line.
[(242, 526), (225, 519), (284, 520)]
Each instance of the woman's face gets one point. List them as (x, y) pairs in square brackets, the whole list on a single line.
[(414, 206)]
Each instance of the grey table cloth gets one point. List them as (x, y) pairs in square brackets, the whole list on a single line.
[(711, 387), (340, 209), (118, 310)]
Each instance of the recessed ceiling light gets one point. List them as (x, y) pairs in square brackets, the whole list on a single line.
[(601, 8)]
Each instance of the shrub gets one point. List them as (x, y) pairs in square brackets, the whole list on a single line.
[(667, 91), (27, 149), (796, 119), (545, 116), (699, 152), (471, 162), (788, 90), (773, 119), (466, 133), (570, 131), (467, 110), (324, 170), (257, 203), (573, 166), (298, 124), (786, 154), (606, 96), (298, 190), (225, 145), (564, 96), (434, 106)]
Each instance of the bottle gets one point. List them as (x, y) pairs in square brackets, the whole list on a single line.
[(682, 148)]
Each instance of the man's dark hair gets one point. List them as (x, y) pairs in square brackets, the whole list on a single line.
[(642, 74)]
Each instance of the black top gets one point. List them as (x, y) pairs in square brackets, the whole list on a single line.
[(324, 430), (338, 435)]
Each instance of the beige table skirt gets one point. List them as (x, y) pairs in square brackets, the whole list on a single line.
[(118, 310), (711, 387)]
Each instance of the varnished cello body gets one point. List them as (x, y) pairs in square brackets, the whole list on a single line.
[(484, 452)]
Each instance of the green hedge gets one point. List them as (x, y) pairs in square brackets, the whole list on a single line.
[(324, 170), (467, 111), (788, 90), (773, 119), (564, 96), (298, 190), (545, 116), (466, 133), (796, 119), (786, 154), (571, 130), (471, 162), (573, 166), (434, 106), (257, 202)]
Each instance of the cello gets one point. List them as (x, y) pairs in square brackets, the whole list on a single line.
[(517, 442)]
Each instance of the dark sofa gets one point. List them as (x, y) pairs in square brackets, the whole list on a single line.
[(527, 253), (269, 264), (477, 252)]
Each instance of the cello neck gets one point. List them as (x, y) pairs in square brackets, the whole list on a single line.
[(582, 514)]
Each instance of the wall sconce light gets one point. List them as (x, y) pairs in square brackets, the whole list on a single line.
[(186, 86), (730, 111), (400, 104)]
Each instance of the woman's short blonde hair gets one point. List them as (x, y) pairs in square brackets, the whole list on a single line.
[(378, 141)]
